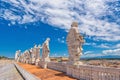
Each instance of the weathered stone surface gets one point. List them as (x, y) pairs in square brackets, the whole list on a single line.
[(31, 56), (17, 55), (37, 56), (45, 53), (45, 50), (8, 71), (27, 56), (86, 72), (59, 66), (74, 41), (35, 52)]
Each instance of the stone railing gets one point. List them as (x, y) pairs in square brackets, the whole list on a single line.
[(85, 72), (26, 75), (57, 66), (81, 72)]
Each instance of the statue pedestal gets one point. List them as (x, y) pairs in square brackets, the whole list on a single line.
[(33, 61), (42, 64), (37, 61), (71, 66)]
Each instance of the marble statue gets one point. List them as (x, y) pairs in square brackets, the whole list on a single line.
[(37, 55), (45, 53), (74, 42), (45, 50), (33, 51), (17, 55), (27, 56), (30, 51)]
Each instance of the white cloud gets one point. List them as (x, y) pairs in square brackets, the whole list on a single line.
[(60, 13), (112, 52), (92, 44), (8, 15), (117, 46), (110, 46), (61, 40), (103, 46), (105, 53), (88, 52), (95, 7), (91, 55)]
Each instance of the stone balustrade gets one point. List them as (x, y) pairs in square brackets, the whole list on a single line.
[(26, 75), (60, 66), (85, 72)]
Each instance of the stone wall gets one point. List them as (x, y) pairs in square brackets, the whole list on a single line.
[(85, 72), (57, 66)]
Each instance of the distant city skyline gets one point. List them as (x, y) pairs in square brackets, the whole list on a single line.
[(24, 23)]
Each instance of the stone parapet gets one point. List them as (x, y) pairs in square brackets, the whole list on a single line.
[(60, 66), (86, 72)]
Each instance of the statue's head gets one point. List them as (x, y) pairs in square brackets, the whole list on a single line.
[(31, 49), (35, 46), (48, 39), (26, 51), (74, 24), (39, 46), (19, 50)]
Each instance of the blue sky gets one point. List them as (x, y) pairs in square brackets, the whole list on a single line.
[(24, 23)]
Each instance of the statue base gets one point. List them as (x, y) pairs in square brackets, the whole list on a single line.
[(37, 61)]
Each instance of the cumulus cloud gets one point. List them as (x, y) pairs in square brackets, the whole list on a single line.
[(92, 44), (91, 55), (103, 46), (108, 46), (116, 46), (112, 52), (105, 53), (96, 18)]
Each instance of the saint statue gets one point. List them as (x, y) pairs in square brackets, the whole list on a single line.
[(74, 42), (45, 54), (45, 50), (17, 55)]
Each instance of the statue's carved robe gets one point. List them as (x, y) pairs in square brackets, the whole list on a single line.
[(45, 51), (74, 41), (17, 56)]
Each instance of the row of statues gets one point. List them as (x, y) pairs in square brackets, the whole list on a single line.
[(32, 56), (74, 42)]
